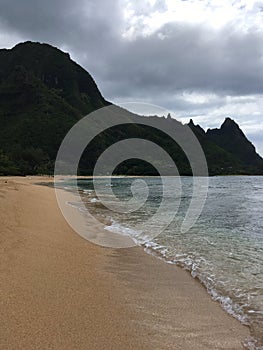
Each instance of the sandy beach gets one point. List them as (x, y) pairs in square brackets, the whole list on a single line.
[(59, 291)]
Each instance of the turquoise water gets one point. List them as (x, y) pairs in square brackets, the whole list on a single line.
[(224, 249)]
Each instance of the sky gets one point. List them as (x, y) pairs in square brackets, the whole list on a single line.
[(199, 59)]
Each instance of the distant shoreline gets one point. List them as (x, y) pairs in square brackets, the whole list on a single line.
[(115, 176)]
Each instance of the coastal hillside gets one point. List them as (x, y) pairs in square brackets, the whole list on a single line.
[(43, 93), (232, 139)]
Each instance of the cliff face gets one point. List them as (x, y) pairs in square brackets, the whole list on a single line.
[(240, 156), (43, 93), (231, 138), (53, 69)]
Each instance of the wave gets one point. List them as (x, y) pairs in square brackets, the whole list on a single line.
[(162, 252), (187, 263)]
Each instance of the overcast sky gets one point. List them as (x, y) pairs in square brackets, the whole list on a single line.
[(198, 58)]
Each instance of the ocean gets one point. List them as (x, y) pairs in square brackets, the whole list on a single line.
[(223, 249)]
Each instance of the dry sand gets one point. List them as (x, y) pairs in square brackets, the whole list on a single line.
[(59, 291)]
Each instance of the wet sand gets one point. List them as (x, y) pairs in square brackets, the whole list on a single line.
[(59, 291)]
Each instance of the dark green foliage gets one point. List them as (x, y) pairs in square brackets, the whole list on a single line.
[(7, 166), (43, 93), (135, 167)]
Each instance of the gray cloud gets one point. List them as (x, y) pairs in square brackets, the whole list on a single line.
[(62, 21), (189, 57)]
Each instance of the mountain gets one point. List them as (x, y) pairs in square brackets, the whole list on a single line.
[(231, 138), (240, 156), (43, 93)]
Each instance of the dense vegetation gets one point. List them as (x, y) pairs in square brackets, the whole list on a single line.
[(43, 93)]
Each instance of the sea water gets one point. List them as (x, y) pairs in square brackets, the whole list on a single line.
[(224, 248)]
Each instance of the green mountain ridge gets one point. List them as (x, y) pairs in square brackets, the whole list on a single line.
[(43, 93)]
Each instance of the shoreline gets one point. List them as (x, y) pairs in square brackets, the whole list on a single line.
[(64, 292)]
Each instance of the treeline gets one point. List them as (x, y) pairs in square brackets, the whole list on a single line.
[(28, 161)]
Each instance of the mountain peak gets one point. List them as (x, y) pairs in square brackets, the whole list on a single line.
[(37, 49), (196, 128), (37, 45), (231, 138), (229, 123), (54, 70)]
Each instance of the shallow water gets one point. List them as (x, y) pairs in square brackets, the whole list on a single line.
[(224, 249)]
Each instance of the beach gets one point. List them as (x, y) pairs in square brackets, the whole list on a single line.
[(59, 291)]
